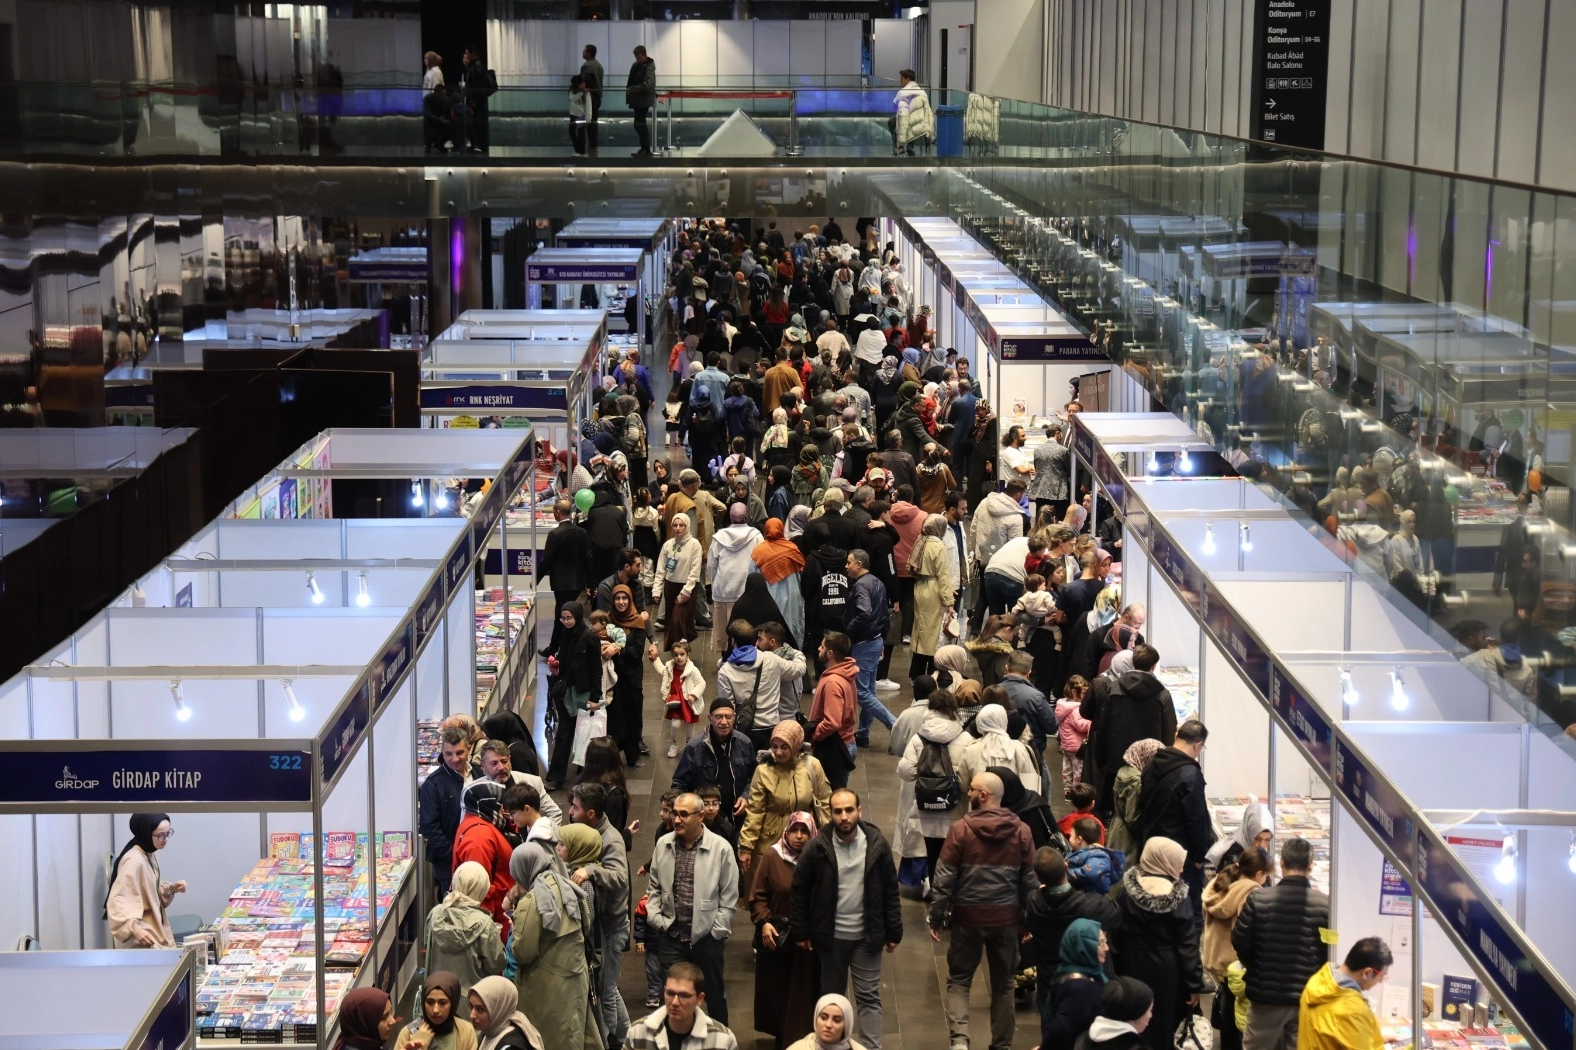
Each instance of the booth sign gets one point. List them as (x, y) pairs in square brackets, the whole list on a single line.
[(429, 611), (172, 1027), (391, 667), (520, 562), (1306, 722), (1047, 348), (39, 774), (1538, 1002), (1378, 803), (340, 737), (580, 273), (495, 397)]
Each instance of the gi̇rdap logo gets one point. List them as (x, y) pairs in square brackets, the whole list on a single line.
[(69, 781)]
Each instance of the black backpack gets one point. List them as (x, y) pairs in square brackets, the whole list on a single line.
[(935, 782)]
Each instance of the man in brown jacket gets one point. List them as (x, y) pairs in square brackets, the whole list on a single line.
[(779, 379), (983, 880)]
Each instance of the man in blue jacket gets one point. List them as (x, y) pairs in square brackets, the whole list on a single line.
[(865, 621), (718, 756)]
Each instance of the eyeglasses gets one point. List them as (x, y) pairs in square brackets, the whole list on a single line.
[(673, 993), (685, 814), (163, 836)]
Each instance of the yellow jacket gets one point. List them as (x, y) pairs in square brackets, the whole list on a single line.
[(1333, 1017)]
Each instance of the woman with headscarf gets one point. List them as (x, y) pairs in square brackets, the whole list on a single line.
[(138, 900), (1075, 990), (942, 726), (625, 716), (832, 1027), (550, 924), (1257, 829), (1129, 782), (791, 781), (1031, 808), (808, 480), (951, 664), (442, 1026), (933, 593), (366, 1020), (1157, 941), (574, 657), (886, 382), (992, 647), (496, 1016), (780, 561), (509, 727), (678, 575), (462, 937), (729, 563), (993, 747), (786, 976), (757, 606), (986, 439)]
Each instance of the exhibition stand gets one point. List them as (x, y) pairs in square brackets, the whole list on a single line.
[(115, 1000), (656, 238), (569, 268), (1331, 705), (263, 686)]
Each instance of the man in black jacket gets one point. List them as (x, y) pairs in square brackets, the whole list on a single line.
[(565, 556), (1051, 909), (1171, 803), (440, 799), (845, 908), (865, 620), (1279, 936), (607, 528), (1133, 706)]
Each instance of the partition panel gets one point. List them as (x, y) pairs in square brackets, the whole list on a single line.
[(1236, 760)]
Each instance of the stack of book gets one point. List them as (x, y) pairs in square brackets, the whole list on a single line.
[(1307, 818), (1182, 684), (429, 747), (492, 635), (263, 986)]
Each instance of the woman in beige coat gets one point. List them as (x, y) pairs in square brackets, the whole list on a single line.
[(792, 780), (933, 593), (138, 897), (1223, 901)]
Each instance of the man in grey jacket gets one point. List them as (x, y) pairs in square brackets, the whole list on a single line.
[(640, 94), (610, 879), (691, 897), (596, 80)]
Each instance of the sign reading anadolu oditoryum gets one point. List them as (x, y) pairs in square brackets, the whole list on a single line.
[(43, 775)]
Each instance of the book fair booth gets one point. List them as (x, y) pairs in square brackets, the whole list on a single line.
[(268, 686), (141, 999), (569, 270), (1437, 802), (655, 238)]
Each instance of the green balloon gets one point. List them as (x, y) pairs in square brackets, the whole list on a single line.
[(583, 500)]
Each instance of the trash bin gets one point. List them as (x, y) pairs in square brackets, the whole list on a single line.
[(949, 131)]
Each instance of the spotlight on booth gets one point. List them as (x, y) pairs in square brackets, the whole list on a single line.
[(1349, 692), (416, 498), (182, 712), (1184, 462), (1245, 538), (297, 712), (1209, 537), (311, 585), (1571, 862), (1398, 696), (363, 595), (1505, 870), (441, 500)]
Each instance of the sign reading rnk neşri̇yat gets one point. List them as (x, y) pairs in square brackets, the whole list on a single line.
[(1291, 60)]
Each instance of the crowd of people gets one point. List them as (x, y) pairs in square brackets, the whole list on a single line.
[(850, 508)]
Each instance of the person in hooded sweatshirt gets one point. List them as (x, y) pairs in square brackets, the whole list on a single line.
[(1257, 829), (1052, 908), (607, 526), (1333, 1013), (1123, 710), (1172, 804), (908, 521), (1158, 940), (728, 564), (1126, 1015)]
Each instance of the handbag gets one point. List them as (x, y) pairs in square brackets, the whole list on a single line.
[(588, 726), (781, 924), (557, 689)]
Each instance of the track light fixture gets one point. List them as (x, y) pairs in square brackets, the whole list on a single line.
[(182, 712), (1245, 538), (1209, 537), (1349, 692), (416, 498), (1505, 870), (311, 585), (363, 596), (297, 712), (1398, 696)]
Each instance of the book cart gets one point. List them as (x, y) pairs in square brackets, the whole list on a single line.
[(277, 730), (1436, 804)]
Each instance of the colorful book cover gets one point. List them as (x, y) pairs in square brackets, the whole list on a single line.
[(284, 845), (1457, 995), (396, 845), (339, 849)]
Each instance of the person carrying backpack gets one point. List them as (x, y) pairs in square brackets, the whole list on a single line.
[(930, 762)]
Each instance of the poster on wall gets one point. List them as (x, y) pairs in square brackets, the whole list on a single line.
[(1395, 896), (1479, 856)]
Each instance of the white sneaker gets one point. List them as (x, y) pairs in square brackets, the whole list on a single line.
[(887, 684), (673, 751)]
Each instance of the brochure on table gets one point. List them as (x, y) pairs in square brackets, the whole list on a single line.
[(1219, 564), (262, 721)]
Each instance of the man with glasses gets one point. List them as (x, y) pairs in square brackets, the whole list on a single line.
[(691, 897), (719, 756), (983, 880), (681, 1023)]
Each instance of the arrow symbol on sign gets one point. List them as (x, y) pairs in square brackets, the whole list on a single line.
[(1270, 104)]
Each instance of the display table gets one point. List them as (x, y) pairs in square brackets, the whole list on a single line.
[(1307, 818), (1182, 684), (262, 988)]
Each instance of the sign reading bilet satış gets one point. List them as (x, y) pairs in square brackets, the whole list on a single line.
[(46, 776), (1291, 61)]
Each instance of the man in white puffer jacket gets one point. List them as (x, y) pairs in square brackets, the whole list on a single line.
[(728, 564), (915, 120)]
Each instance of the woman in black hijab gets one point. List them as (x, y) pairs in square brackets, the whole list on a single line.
[(757, 606), (138, 898), (1031, 808), (574, 658)]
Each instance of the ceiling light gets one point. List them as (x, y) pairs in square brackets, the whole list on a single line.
[(1349, 692), (182, 712), (363, 596), (1398, 698), (311, 585), (1571, 863), (1209, 537), (416, 499), (297, 712)]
